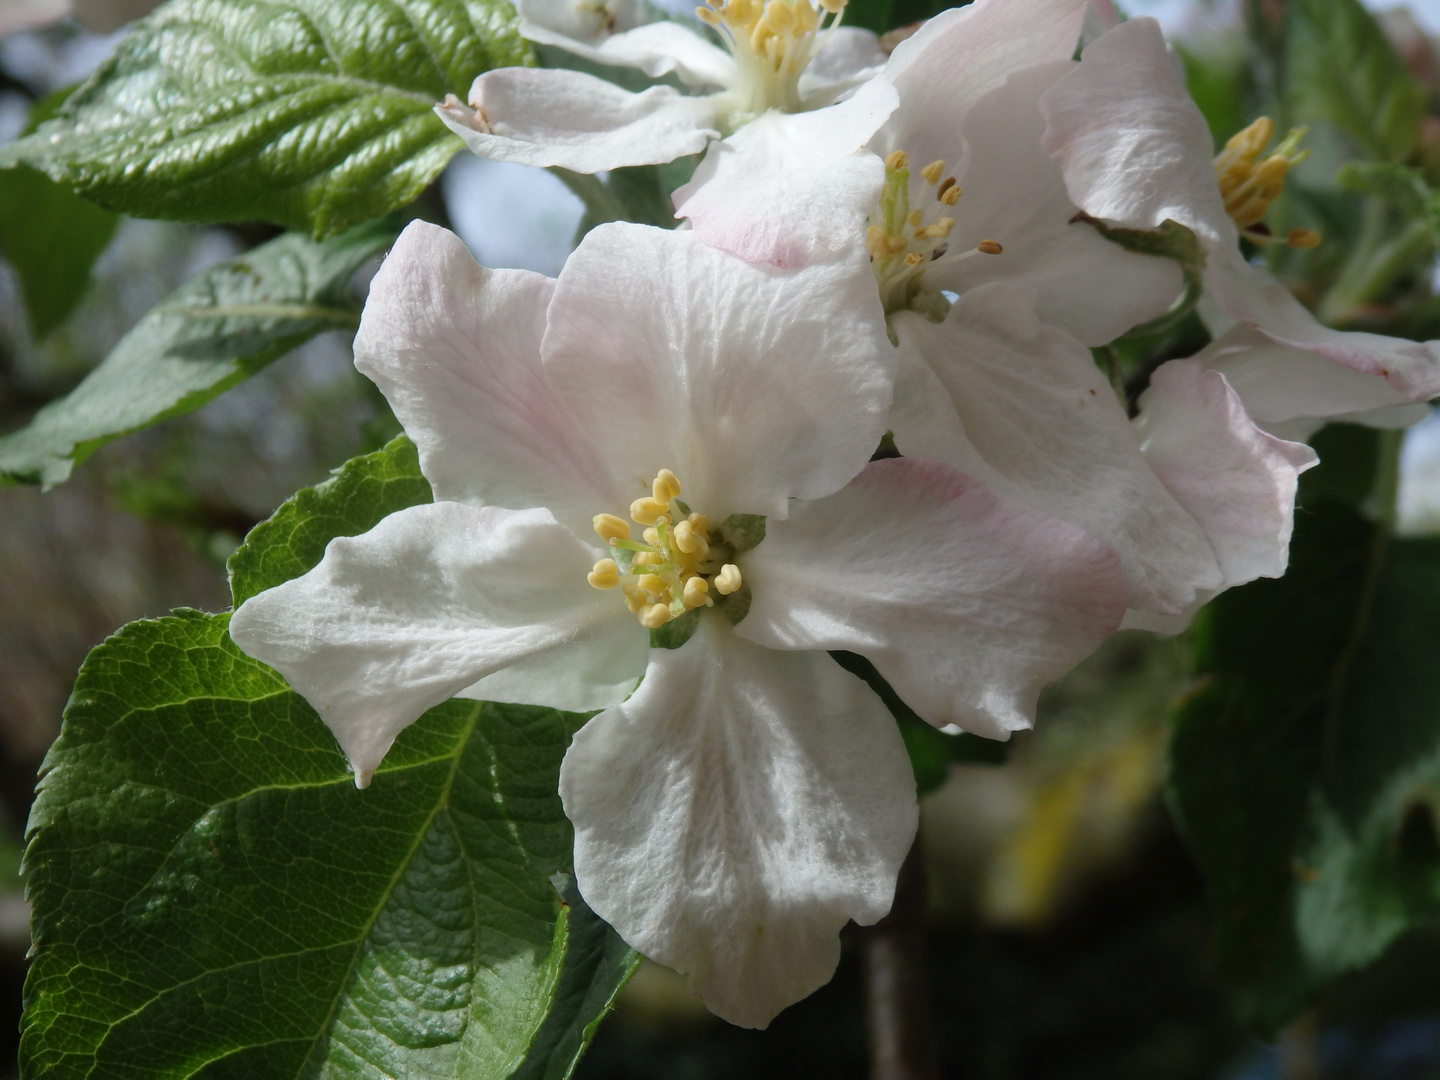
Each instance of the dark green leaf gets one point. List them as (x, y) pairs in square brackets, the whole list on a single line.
[(1304, 768), (312, 114), (597, 964), (355, 498), (213, 897), (210, 334), (50, 237), (1340, 68)]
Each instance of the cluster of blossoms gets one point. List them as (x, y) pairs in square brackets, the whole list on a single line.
[(901, 245)]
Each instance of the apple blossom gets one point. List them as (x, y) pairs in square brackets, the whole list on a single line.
[(786, 55), (750, 796), (1135, 150)]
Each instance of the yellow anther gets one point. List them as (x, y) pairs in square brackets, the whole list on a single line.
[(932, 172), (635, 598), (648, 511), (895, 244), (653, 584), (989, 247), (606, 574), (913, 218), (700, 523), (805, 18), (705, 15), (665, 486), (1303, 238), (939, 230), (688, 540), (898, 160), (655, 616), (609, 527), (728, 580), (647, 558), (695, 590), (833, 7), (1248, 185), (915, 258), (950, 195), (651, 536)]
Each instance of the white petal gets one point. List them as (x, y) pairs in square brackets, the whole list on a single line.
[(1131, 143), (657, 49), (849, 56), (962, 54), (753, 385), (559, 117), (576, 24), (968, 604), (1235, 480), (1045, 429), (1372, 371), (434, 598), (455, 348), (734, 813), (1014, 194), (790, 189)]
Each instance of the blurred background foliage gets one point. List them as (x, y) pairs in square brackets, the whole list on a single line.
[(1070, 931)]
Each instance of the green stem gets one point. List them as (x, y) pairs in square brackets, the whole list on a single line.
[(1375, 267)]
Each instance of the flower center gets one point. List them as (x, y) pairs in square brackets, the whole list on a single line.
[(1249, 184), (902, 241), (676, 566), (772, 43)]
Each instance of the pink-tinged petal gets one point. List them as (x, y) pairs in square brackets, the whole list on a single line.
[(753, 385), (788, 190), (1133, 147), (559, 117), (1044, 428), (962, 54), (1235, 480), (434, 598), (967, 603), (1014, 194), (734, 813), (455, 349), (1391, 370), (628, 35)]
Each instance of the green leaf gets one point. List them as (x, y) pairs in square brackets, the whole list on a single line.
[(1402, 187), (211, 333), (312, 114), (1340, 68), (213, 897), (50, 237), (1306, 765), (597, 965), (355, 498)]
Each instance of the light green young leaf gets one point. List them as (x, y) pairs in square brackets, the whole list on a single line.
[(211, 333), (1404, 188), (1340, 68), (49, 237), (311, 114), (1304, 770), (213, 897)]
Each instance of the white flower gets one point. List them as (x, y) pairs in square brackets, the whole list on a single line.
[(750, 796), (993, 289), (1135, 150), (787, 55)]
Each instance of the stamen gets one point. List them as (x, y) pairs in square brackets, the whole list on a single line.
[(728, 580), (647, 511), (606, 574), (655, 616), (989, 247), (609, 527), (933, 171), (1249, 185), (915, 258), (695, 590), (950, 193), (913, 218), (1303, 238), (897, 160)]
